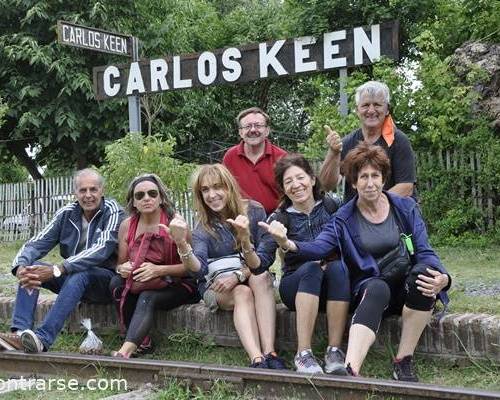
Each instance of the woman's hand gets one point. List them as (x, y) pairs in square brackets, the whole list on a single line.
[(224, 284), (278, 231), (242, 227), (178, 229), (124, 269), (430, 286), (146, 272)]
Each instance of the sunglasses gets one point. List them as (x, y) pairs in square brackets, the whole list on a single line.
[(153, 193)]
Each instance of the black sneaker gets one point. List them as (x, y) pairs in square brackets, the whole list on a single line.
[(274, 362), (404, 370), (146, 347), (334, 361), (350, 372), (259, 362)]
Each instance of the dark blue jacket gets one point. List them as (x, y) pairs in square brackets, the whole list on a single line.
[(343, 233), (64, 229), (300, 226)]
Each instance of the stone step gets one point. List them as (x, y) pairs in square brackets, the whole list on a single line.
[(453, 336)]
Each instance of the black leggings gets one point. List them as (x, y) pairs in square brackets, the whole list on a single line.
[(138, 310), (376, 299)]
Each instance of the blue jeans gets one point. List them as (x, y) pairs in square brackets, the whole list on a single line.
[(91, 286)]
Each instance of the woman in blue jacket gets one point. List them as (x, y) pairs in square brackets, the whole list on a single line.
[(365, 229)]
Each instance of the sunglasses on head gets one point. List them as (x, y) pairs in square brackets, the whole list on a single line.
[(153, 193)]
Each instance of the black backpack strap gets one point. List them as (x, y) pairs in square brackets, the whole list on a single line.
[(280, 216), (331, 202)]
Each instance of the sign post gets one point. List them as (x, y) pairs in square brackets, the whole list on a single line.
[(106, 42), (343, 103)]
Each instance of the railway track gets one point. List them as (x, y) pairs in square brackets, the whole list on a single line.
[(266, 384)]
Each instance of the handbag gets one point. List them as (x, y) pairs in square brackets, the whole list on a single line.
[(395, 265), (222, 266)]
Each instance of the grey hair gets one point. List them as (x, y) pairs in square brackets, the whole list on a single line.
[(87, 171), (373, 88)]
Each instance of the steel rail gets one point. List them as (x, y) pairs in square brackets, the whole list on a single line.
[(265, 384)]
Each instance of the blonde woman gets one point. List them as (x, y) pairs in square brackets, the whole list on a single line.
[(216, 259)]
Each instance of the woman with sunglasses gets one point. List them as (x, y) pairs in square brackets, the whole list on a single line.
[(150, 273), (218, 203)]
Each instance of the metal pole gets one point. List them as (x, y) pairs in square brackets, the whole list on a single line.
[(343, 104), (134, 101)]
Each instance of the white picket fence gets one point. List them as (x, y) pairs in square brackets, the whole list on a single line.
[(26, 207)]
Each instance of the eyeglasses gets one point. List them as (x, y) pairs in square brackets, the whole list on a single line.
[(153, 193), (249, 126)]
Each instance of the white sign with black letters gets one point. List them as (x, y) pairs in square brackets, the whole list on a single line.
[(93, 39)]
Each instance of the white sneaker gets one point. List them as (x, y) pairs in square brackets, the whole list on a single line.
[(31, 342), (306, 363)]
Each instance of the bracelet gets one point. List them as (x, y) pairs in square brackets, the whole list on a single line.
[(186, 255), (248, 251)]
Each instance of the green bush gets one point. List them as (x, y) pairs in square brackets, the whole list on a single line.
[(135, 154)]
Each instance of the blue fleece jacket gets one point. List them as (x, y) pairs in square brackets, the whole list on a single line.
[(342, 233)]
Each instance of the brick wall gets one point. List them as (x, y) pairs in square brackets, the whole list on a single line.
[(455, 335)]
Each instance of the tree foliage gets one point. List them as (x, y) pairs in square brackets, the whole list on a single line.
[(48, 86), (202, 115), (134, 155), (10, 170), (51, 106), (436, 109)]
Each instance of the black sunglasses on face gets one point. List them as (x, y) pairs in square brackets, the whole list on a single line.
[(153, 193)]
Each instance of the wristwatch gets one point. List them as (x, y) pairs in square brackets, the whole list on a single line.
[(241, 276), (56, 271)]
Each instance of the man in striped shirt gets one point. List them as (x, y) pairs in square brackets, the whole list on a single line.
[(86, 232)]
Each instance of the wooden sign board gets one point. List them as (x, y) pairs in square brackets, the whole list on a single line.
[(340, 49), (93, 39)]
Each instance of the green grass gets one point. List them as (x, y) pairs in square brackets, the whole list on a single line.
[(8, 251), (472, 268), (80, 394), (219, 390)]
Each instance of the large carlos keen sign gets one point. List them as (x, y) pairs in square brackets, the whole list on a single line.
[(340, 49)]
